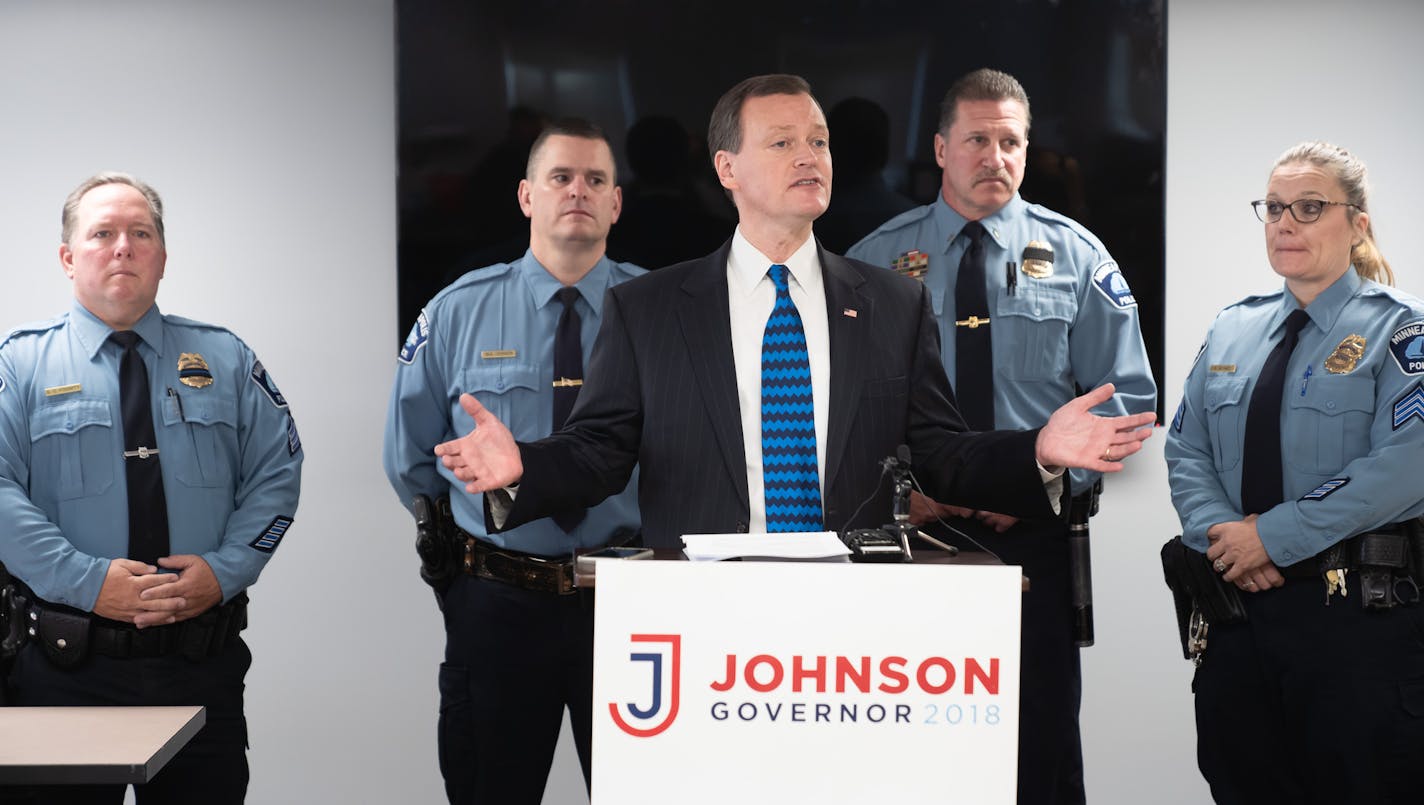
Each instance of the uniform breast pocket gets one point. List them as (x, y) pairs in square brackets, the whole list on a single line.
[(202, 437), (1226, 418), (511, 392), (1031, 332), (74, 444), (1330, 425)]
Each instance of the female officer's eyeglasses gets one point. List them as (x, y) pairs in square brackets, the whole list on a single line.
[(1304, 210)]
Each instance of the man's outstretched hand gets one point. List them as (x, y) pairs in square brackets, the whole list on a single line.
[(485, 458), (1076, 437)]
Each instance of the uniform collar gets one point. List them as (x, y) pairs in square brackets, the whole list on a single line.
[(1326, 308), (949, 223), (93, 333), (542, 285)]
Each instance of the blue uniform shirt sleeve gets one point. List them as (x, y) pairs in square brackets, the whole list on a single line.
[(267, 480), (1198, 489), (417, 417), (33, 549)]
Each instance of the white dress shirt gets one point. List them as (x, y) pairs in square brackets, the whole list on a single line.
[(751, 296)]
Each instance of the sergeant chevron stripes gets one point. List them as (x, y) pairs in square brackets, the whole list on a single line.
[(1409, 406), (788, 422)]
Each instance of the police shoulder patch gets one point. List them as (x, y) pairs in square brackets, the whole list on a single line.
[(1325, 490), (264, 382), (1111, 284), (1409, 406), (272, 535), (1407, 347), (419, 334)]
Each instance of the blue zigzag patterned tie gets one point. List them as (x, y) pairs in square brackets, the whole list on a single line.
[(788, 420)]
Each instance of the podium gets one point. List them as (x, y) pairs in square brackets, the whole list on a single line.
[(73, 745), (775, 682)]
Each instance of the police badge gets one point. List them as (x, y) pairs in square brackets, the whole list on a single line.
[(193, 370), (1038, 259), (1343, 359)]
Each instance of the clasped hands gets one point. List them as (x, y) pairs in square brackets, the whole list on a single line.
[(1238, 554), (137, 593)]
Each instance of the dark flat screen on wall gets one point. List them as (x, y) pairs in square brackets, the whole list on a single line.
[(477, 80)]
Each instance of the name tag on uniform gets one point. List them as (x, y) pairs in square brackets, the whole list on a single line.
[(1222, 368), (55, 391), (492, 354)]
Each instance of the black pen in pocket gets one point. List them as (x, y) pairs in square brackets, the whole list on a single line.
[(178, 398)]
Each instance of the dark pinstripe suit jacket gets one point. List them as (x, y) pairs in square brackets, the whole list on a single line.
[(660, 390)]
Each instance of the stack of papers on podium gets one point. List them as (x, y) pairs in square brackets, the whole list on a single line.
[(822, 546)]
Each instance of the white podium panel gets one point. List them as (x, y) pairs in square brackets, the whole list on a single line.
[(751, 682)]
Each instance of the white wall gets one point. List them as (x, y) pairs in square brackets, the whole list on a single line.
[(1231, 110), (269, 128)]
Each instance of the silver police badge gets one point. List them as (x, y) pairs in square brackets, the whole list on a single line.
[(1038, 259)]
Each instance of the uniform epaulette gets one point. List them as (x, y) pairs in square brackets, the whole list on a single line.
[(30, 328), (627, 270), (903, 220), (474, 276), (1050, 216), (194, 323), (1395, 295), (1253, 298)]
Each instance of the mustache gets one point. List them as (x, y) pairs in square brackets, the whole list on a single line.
[(999, 174)]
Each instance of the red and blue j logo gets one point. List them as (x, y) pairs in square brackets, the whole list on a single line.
[(664, 662)]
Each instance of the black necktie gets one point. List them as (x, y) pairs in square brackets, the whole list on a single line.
[(148, 507), (1261, 484), (973, 345), (568, 378)]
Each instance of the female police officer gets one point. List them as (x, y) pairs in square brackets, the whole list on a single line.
[(1300, 431)]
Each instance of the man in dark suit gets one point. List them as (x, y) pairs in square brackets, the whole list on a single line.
[(678, 374)]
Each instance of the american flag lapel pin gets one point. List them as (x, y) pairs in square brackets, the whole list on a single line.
[(849, 312)]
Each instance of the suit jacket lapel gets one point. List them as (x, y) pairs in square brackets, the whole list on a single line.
[(850, 315), (707, 329)]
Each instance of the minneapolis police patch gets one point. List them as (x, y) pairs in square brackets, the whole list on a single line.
[(1181, 414), (1407, 347), (1409, 406), (1110, 283), (264, 382), (267, 543), (1324, 490), (419, 334)]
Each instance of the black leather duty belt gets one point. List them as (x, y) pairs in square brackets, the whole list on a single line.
[(68, 635), (522, 570)]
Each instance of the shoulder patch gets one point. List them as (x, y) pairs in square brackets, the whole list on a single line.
[(1409, 406), (272, 535), (2, 383), (1407, 347), (419, 334), (1180, 415), (1111, 284), (1325, 490), (264, 382)]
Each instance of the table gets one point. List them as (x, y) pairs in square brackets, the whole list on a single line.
[(45, 745)]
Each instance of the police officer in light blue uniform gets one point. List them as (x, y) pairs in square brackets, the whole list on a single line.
[(1280, 458), (519, 639), (230, 465), (1062, 320)]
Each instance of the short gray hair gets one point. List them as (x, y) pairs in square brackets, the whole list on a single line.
[(71, 204)]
